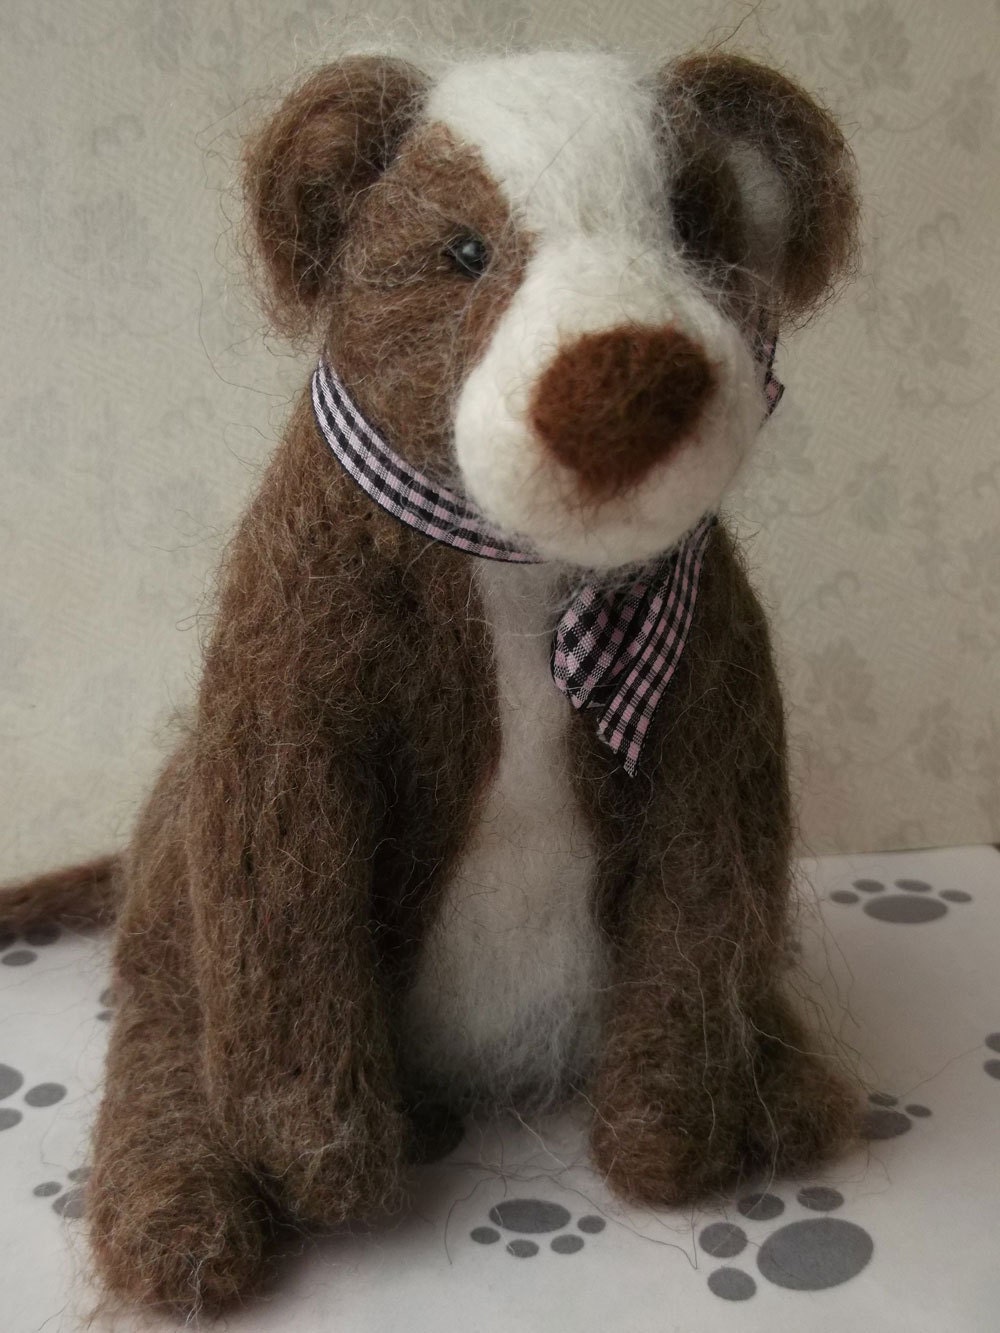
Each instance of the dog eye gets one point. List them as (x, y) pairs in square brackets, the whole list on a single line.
[(469, 254)]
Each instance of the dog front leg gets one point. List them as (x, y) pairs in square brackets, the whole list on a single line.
[(707, 1076), (298, 1063), (175, 1220)]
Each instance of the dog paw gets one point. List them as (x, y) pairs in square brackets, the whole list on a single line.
[(184, 1237)]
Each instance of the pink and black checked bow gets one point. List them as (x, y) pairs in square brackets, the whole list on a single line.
[(613, 649)]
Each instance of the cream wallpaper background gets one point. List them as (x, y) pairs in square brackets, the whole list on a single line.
[(139, 392)]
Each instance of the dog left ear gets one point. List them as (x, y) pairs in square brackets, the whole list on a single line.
[(328, 142), (764, 175)]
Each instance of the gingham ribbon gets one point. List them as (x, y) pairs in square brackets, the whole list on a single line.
[(613, 649)]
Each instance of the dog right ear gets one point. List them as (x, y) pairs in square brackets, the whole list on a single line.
[(799, 188), (331, 139)]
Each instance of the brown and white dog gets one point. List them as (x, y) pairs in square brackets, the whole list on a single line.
[(389, 873)]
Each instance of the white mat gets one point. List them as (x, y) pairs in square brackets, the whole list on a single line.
[(513, 1230)]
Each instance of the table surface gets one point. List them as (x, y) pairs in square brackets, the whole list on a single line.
[(514, 1231)]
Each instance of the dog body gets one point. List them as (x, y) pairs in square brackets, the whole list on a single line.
[(390, 870)]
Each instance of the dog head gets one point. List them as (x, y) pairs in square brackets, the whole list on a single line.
[(542, 275)]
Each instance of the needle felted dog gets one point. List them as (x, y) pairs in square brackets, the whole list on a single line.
[(484, 798)]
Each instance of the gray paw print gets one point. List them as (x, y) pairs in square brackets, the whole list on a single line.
[(106, 1000), (884, 1119), (36, 936), (917, 903), (41, 1095), (992, 1067), (808, 1255), (67, 1201), (535, 1217)]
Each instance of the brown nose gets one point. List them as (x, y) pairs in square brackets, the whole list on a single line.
[(613, 403)]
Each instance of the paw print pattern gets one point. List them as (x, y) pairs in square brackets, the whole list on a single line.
[(917, 903), (36, 936), (992, 1067), (884, 1119), (808, 1255), (41, 1095), (67, 1201), (535, 1217), (106, 1000)]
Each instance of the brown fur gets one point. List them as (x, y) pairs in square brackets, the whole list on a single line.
[(79, 896), (399, 304), (284, 870), (707, 1076), (707, 209), (614, 403), (715, 99), (330, 142)]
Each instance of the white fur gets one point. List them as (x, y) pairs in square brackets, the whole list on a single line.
[(567, 136), (572, 139), (508, 983), (765, 203)]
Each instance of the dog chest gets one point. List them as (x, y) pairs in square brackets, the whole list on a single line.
[(506, 990)]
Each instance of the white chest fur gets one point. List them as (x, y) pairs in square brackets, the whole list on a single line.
[(507, 989)]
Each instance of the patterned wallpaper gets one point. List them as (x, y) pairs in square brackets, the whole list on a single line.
[(139, 392)]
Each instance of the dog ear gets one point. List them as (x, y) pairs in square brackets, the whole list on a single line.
[(764, 174), (330, 140)]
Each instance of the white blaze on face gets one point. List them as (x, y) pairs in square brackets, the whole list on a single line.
[(571, 139)]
